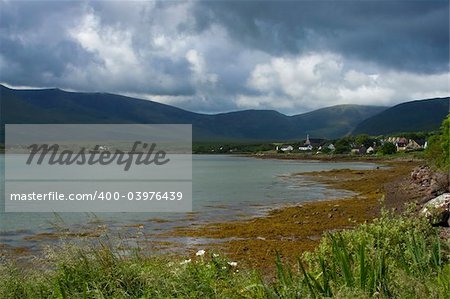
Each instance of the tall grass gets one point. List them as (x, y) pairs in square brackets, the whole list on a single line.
[(382, 259), (393, 257)]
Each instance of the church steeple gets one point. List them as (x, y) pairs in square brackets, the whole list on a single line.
[(307, 142)]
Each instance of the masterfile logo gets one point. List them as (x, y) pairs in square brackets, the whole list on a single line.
[(98, 168), (146, 156)]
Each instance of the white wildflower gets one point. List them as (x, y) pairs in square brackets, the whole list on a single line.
[(215, 255), (185, 262), (200, 252), (232, 264)]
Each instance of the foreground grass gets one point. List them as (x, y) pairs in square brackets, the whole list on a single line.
[(393, 257)]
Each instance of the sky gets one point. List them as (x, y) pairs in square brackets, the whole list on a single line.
[(214, 56)]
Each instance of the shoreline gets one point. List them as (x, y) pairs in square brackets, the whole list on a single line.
[(293, 230), (288, 229), (336, 158)]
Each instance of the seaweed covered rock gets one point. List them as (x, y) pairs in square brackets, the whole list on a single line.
[(437, 210)]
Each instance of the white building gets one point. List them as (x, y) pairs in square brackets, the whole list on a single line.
[(306, 148), (287, 148)]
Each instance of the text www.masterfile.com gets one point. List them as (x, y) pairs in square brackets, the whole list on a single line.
[(98, 195)]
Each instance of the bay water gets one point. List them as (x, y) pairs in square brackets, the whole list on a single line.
[(224, 188)]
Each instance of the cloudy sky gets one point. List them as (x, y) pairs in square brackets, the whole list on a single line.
[(221, 56)]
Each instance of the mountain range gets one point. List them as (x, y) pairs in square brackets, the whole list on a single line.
[(56, 106)]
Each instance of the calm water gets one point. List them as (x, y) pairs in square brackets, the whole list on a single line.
[(224, 187)]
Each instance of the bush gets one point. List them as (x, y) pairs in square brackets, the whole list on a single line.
[(388, 148), (342, 146), (445, 143), (400, 257), (438, 150)]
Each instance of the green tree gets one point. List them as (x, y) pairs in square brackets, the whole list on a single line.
[(438, 149), (388, 148), (445, 142), (325, 150), (363, 139), (342, 146)]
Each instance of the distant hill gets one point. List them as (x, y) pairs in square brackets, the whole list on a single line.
[(415, 116), (57, 106), (335, 121)]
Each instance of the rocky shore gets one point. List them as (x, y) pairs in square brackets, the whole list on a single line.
[(290, 231), (432, 183)]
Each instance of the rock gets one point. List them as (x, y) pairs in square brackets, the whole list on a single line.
[(439, 184), (437, 210), (441, 177), (434, 187), (421, 175), (442, 180), (433, 183)]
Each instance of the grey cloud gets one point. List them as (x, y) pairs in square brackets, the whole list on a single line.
[(33, 42), (28, 64), (140, 48), (410, 35), (38, 49)]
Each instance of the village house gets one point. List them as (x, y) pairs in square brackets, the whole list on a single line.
[(306, 148), (416, 144), (286, 148), (354, 151), (403, 144), (362, 150), (330, 147), (399, 142), (311, 143)]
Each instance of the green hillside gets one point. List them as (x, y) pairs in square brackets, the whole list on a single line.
[(415, 116), (336, 120)]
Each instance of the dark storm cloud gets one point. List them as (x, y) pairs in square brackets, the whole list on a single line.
[(215, 56), (38, 49), (33, 46), (410, 35), (31, 64)]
